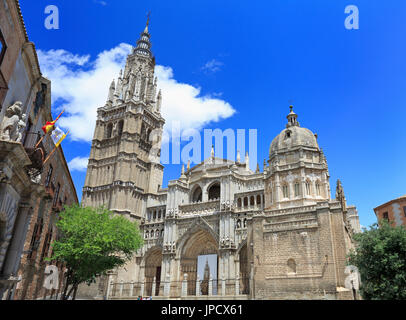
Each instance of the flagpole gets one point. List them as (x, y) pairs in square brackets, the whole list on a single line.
[(52, 152), (42, 138)]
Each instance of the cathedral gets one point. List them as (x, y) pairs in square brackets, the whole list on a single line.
[(276, 234)]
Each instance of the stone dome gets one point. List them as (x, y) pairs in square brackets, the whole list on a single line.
[(293, 136)]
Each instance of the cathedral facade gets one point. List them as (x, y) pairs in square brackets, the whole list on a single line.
[(275, 234)]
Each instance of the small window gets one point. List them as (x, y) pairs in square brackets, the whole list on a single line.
[(56, 196), (288, 134), (49, 175), (291, 266), (258, 199), (404, 211), (385, 216)]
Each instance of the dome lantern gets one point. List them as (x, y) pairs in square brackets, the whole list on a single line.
[(292, 119)]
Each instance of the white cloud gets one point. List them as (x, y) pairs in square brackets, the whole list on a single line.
[(212, 66), (83, 85), (182, 102), (78, 164), (101, 2)]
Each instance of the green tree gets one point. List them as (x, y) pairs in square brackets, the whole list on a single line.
[(93, 241), (380, 257)]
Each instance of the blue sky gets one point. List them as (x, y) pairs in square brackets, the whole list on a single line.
[(255, 58)]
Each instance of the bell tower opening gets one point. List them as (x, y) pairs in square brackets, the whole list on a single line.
[(214, 191)]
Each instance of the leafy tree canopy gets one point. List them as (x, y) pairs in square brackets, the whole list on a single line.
[(93, 241), (380, 257)]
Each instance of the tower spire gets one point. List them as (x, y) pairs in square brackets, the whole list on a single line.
[(146, 25), (143, 44)]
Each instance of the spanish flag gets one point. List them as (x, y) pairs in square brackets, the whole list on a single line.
[(50, 124)]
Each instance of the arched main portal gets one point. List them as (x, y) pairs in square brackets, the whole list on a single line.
[(200, 243), (153, 264)]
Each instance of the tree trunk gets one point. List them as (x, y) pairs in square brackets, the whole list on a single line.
[(74, 292), (63, 295), (70, 292)]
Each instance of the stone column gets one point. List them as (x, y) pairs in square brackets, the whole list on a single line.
[(16, 245), (142, 288), (197, 286), (153, 287), (167, 285), (277, 188), (121, 287), (237, 286), (131, 288), (109, 285), (303, 182), (223, 286), (184, 285)]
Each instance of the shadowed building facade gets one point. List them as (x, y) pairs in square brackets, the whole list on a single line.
[(277, 234)]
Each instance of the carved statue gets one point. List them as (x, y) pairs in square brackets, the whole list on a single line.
[(21, 128), (10, 124), (340, 196), (114, 131)]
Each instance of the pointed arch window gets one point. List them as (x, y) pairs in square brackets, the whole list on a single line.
[(285, 191), (109, 130), (120, 127), (214, 192), (239, 202), (297, 189), (197, 195), (307, 186), (318, 188)]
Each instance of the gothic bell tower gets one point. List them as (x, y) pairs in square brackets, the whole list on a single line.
[(124, 163)]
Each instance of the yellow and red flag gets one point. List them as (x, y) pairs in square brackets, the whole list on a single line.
[(57, 136), (50, 124)]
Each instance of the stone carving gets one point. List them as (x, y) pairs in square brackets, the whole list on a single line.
[(340, 196), (13, 123), (21, 128), (114, 131), (3, 176)]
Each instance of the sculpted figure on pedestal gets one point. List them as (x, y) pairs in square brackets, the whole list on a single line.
[(12, 124)]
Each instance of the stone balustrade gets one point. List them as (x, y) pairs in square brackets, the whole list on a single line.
[(200, 207), (185, 289)]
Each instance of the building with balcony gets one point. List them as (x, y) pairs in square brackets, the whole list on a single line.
[(25, 197)]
